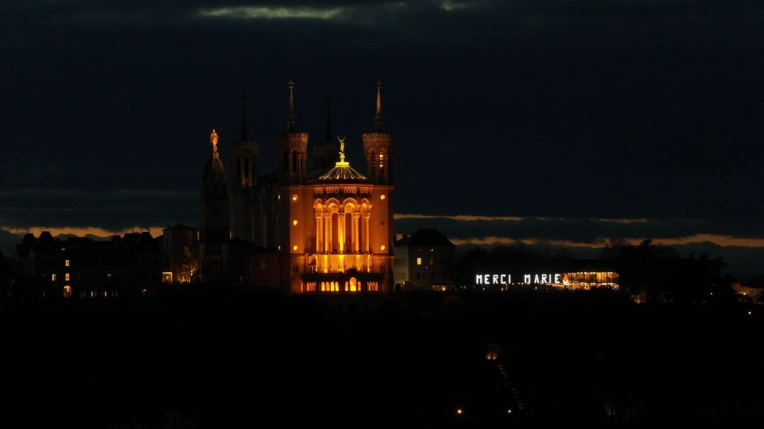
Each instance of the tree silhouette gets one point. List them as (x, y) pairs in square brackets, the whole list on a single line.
[(657, 272)]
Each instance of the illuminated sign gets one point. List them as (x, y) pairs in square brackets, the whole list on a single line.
[(503, 279)]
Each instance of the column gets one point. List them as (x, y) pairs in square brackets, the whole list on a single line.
[(319, 231), (327, 232), (366, 237), (341, 231), (356, 244)]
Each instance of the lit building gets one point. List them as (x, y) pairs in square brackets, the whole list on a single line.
[(330, 226), (86, 268), (573, 274), (423, 261)]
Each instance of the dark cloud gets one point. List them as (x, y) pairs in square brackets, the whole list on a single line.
[(112, 210), (550, 108), (583, 231)]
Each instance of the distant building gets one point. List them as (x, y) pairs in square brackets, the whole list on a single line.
[(84, 267), (424, 261), (252, 267)]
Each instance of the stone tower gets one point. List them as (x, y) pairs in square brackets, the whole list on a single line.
[(244, 157), (293, 234), (380, 156), (214, 228)]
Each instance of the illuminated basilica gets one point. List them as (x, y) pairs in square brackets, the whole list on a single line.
[(329, 227)]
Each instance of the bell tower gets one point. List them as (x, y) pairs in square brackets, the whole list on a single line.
[(378, 147), (379, 150), (244, 157), (293, 148), (294, 210)]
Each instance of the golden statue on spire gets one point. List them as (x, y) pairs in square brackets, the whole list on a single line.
[(214, 140), (342, 148)]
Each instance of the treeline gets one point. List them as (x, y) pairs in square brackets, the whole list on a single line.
[(658, 273), (654, 272)]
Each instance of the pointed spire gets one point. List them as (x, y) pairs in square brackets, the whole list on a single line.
[(243, 117), (328, 99), (290, 118), (378, 117)]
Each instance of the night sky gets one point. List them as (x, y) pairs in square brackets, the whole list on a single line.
[(552, 122)]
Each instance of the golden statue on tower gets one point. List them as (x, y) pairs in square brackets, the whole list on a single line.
[(214, 140)]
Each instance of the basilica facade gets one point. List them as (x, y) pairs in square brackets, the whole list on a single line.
[(329, 225)]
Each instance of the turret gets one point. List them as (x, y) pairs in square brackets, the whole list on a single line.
[(379, 148), (244, 160), (292, 148)]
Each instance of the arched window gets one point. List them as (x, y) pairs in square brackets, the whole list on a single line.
[(381, 163), (246, 168), (373, 164), (294, 162)]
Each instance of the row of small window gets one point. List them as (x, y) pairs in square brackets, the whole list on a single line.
[(403, 261), (90, 294), (52, 263), (432, 261), (349, 286), (143, 276)]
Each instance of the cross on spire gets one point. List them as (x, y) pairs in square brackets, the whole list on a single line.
[(291, 117), (378, 116)]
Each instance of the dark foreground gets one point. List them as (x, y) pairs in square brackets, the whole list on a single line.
[(244, 360)]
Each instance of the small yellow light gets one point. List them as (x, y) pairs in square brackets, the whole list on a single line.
[(294, 222), (382, 247), (382, 197), (279, 247), (458, 411), (509, 411), (294, 197), (295, 247), (278, 196)]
